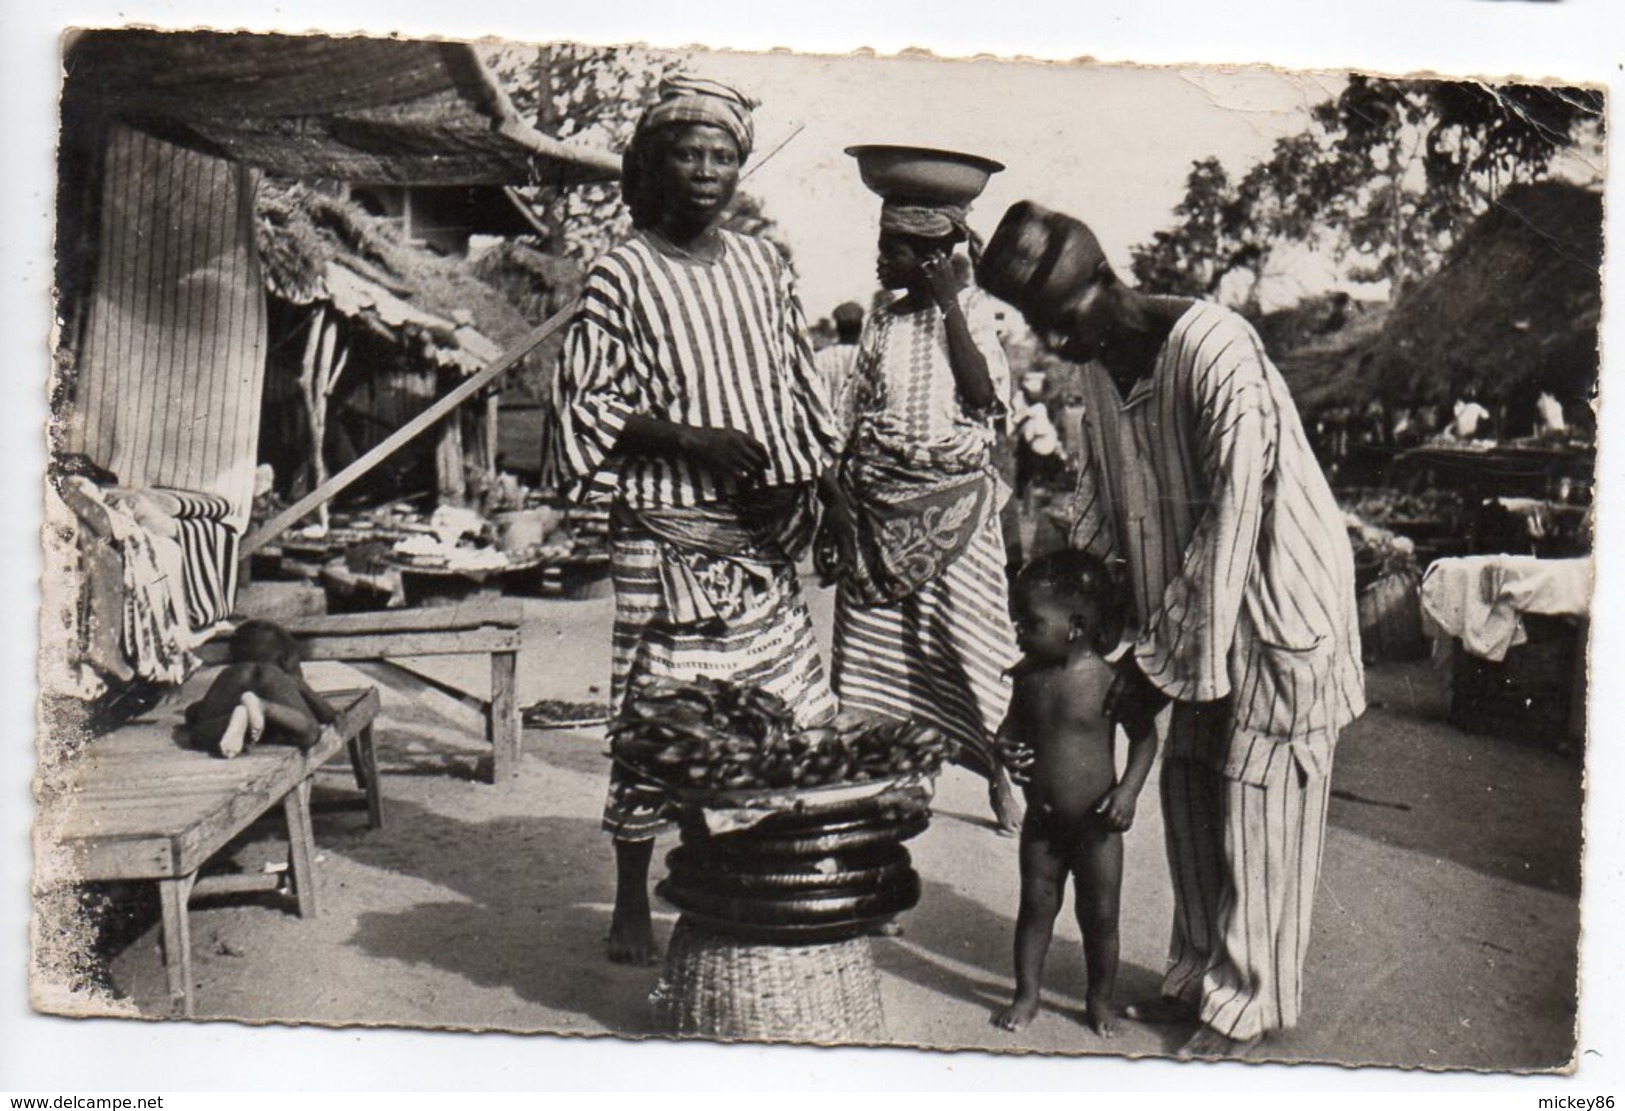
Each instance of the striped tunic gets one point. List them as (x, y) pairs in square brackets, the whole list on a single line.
[(718, 344), (939, 655), (1203, 482), (714, 345)]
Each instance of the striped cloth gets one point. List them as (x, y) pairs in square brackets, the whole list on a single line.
[(1203, 482), (208, 552), (938, 655), (1243, 579), (1237, 950), (766, 641), (720, 345)]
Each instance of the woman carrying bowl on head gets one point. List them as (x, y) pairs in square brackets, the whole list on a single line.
[(912, 532), (688, 399)]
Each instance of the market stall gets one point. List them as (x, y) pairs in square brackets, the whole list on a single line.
[(1514, 629)]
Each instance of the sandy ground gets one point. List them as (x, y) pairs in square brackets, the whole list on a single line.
[(1445, 935)]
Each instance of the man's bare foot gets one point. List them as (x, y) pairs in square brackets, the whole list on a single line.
[(891, 927), (1208, 1042), (632, 939), (1101, 1018), (1017, 1015), (235, 737), (1165, 1010)]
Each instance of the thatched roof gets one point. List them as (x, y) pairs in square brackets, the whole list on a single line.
[(318, 247), (1512, 312), (1321, 347), (540, 284), (351, 109)]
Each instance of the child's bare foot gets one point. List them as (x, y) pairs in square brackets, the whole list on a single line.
[(1017, 1015), (235, 737), (1208, 1042), (1165, 1010), (1101, 1018), (256, 716)]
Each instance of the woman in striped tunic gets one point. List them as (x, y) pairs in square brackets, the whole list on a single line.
[(922, 618), (687, 397), (1200, 480)]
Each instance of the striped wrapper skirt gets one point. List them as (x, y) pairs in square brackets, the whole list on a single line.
[(939, 655), (768, 643)]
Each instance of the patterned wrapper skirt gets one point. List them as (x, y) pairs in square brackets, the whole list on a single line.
[(768, 643), (939, 655)]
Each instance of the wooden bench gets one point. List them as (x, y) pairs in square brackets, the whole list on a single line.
[(137, 805), (390, 638)]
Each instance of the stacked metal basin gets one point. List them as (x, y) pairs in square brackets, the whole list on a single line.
[(808, 872)]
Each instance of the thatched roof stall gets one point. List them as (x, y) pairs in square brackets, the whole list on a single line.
[(1512, 313), (164, 137), (1321, 348), (361, 293)]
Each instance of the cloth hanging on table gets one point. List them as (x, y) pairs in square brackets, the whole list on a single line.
[(1481, 599)]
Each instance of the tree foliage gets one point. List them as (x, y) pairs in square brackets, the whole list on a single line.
[(1386, 176), (594, 95)]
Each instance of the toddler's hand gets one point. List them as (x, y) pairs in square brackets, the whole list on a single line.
[(1117, 810)]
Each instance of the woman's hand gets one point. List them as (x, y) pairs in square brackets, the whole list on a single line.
[(940, 280), (724, 451), (837, 547)]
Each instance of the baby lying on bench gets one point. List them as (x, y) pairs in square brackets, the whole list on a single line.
[(260, 695)]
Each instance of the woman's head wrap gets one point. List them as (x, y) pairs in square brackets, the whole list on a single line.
[(932, 220), (684, 99)]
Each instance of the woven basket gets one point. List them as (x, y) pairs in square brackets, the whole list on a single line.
[(1391, 618), (715, 986)]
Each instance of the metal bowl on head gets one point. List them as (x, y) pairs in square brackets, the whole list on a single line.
[(923, 173)]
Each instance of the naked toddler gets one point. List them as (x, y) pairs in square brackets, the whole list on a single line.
[(1069, 616), (260, 695)]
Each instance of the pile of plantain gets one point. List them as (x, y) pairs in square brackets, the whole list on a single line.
[(714, 735)]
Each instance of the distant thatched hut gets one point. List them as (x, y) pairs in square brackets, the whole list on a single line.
[(1511, 314)]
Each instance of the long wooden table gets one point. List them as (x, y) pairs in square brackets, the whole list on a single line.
[(486, 626), (138, 805)]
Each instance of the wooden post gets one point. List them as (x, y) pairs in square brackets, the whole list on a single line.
[(174, 893), (504, 720)]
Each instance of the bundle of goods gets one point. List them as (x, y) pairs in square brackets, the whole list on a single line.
[(1437, 521), (1389, 585), (787, 835)]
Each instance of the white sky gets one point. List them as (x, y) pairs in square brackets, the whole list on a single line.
[(1109, 144)]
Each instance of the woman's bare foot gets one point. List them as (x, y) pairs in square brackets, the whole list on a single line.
[(1017, 1015), (1208, 1042), (1101, 1018), (1165, 1010), (631, 933), (235, 737), (632, 939)]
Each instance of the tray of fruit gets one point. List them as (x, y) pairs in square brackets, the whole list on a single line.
[(717, 744)]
